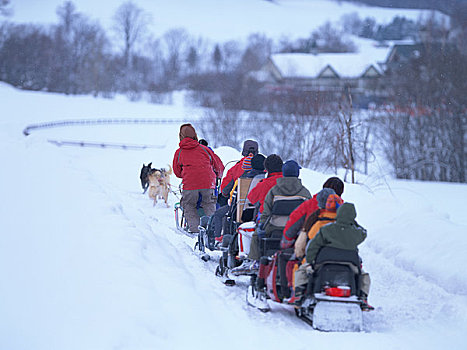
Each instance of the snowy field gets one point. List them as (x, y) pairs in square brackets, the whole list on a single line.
[(88, 263), (219, 20)]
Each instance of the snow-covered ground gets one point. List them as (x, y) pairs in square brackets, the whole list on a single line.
[(220, 20), (86, 261)]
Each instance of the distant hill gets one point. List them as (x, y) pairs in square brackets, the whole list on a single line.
[(456, 9)]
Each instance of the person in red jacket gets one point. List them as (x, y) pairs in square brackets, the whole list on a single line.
[(198, 167), (273, 165), (250, 149), (299, 216)]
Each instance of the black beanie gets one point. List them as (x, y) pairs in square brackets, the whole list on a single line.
[(250, 146), (273, 164), (336, 184), (257, 162)]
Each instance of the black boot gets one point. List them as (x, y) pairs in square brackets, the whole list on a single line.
[(299, 295)]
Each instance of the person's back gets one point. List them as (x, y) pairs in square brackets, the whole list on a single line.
[(198, 167), (285, 187), (273, 165), (344, 233), (288, 185), (328, 202), (193, 163)]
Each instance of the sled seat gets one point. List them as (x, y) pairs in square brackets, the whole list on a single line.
[(336, 267), (242, 191)]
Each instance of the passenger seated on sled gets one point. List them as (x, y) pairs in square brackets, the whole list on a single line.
[(249, 172), (328, 203), (243, 186), (288, 188), (273, 166), (302, 219), (345, 233), (288, 260), (250, 149)]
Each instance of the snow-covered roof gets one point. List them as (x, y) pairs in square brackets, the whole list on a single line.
[(346, 65)]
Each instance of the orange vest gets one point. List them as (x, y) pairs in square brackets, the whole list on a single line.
[(325, 217)]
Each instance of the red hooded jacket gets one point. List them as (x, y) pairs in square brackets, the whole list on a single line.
[(259, 192), (232, 175), (197, 165)]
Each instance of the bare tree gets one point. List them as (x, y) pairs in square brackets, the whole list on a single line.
[(176, 42), (4, 9), (217, 57), (231, 55), (223, 127), (331, 39), (425, 131), (130, 24), (258, 49), (344, 144)]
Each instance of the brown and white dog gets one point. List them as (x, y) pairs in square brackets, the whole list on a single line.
[(159, 184)]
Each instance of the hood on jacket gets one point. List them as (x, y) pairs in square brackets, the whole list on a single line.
[(187, 130), (188, 143), (346, 214), (289, 185)]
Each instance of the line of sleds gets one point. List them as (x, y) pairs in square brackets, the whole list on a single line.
[(332, 300)]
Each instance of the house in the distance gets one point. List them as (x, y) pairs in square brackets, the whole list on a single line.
[(326, 73), (400, 54)]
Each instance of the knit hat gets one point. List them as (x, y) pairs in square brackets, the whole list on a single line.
[(246, 165), (273, 164), (187, 130), (250, 146), (291, 169), (334, 202), (336, 184), (257, 162), (323, 195)]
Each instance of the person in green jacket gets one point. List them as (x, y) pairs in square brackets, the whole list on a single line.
[(344, 233)]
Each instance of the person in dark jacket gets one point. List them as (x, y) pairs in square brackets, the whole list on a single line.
[(198, 167), (344, 233), (287, 186)]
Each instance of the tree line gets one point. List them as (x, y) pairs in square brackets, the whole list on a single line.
[(420, 127)]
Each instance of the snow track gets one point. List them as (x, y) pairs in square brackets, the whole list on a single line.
[(403, 300), (177, 292)]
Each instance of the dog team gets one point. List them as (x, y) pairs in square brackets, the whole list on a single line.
[(156, 182)]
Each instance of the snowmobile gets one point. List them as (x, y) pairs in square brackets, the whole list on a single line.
[(332, 301)]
